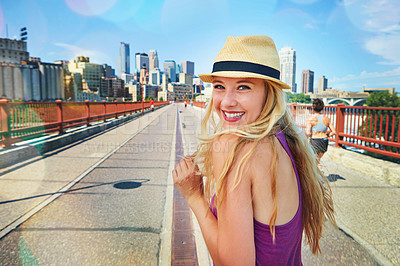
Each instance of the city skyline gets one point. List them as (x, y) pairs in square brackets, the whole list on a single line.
[(351, 43)]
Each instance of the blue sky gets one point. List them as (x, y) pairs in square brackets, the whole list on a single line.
[(353, 43)]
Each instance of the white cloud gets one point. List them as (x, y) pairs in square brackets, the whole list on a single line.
[(381, 18), (353, 82), (365, 75), (71, 52), (385, 45)]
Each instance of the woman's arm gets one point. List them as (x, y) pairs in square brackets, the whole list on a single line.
[(230, 239), (190, 185), (308, 127), (331, 127)]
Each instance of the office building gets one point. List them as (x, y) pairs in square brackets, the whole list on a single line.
[(155, 76), (188, 67), (112, 87), (124, 59), (13, 51), (307, 81), (153, 60), (144, 76), (371, 90), (128, 78), (90, 74), (176, 92), (186, 78), (170, 69), (142, 60), (107, 71), (287, 56), (322, 84)]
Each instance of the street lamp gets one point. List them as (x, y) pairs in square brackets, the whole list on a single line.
[(141, 88)]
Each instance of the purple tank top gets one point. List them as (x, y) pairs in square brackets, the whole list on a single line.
[(288, 237)]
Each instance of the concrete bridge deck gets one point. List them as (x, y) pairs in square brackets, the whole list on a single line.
[(108, 199)]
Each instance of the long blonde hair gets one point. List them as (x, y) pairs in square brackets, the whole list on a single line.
[(316, 193)]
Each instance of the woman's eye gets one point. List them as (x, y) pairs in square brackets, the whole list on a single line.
[(243, 87), (218, 87)]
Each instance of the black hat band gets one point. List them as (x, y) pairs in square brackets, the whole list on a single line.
[(246, 67)]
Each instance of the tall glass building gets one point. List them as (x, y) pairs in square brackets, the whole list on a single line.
[(307, 81), (153, 59), (142, 60), (188, 67), (124, 59), (287, 56), (170, 69)]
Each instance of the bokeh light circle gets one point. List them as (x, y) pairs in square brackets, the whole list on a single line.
[(90, 7)]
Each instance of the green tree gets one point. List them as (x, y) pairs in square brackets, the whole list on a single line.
[(298, 98), (383, 99)]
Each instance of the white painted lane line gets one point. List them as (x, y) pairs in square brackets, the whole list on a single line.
[(166, 231)]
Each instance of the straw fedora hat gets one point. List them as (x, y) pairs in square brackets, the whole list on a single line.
[(253, 56)]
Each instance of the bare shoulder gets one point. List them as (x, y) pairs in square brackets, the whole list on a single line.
[(223, 144), (260, 161), (326, 120), (312, 119)]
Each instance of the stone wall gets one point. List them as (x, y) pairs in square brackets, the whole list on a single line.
[(380, 170)]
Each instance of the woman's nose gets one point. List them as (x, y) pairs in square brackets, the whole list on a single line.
[(229, 99)]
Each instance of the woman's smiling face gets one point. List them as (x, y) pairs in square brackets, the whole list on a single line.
[(238, 101)]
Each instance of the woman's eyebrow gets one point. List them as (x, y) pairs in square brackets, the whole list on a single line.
[(246, 81)]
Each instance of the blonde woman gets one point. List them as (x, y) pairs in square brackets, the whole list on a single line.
[(253, 183)]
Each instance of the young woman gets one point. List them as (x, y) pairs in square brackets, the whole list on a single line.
[(317, 127), (253, 183)]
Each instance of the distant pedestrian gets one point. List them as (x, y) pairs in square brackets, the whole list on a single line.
[(152, 105), (191, 103), (317, 127), (185, 104)]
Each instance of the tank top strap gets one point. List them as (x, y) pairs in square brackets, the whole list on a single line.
[(282, 140)]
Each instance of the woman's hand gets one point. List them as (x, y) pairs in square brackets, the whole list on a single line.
[(187, 180)]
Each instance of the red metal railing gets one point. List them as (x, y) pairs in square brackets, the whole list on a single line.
[(20, 121), (374, 129)]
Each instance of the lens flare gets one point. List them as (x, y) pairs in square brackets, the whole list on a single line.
[(90, 7)]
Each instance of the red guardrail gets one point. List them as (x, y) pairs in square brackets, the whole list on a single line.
[(20, 121), (374, 129)]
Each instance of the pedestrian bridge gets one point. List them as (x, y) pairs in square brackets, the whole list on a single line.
[(103, 194), (351, 101)]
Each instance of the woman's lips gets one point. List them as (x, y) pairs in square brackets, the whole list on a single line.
[(232, 116)]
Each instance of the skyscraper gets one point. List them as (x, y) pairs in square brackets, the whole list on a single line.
[(322, 84), (142, 60), (170, 69), (153, 59), (287, 56), (188, 67), (124, 60), (307, 81)]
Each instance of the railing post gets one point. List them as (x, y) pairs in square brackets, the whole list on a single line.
[(116, 109), (5, 122), (87, 107), (340, 109), (60, 120), (105, 111), (293, 109)]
